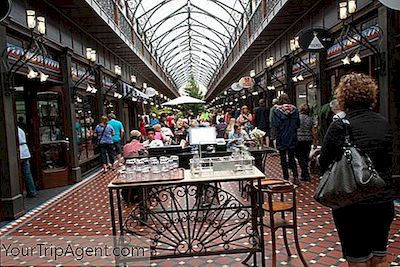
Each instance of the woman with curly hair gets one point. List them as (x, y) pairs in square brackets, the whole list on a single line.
[(363, 227)]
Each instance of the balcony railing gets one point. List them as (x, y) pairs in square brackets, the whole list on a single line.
[(121, 20), (246, 35)]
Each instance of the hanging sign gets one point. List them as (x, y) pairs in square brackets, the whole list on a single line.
[(236, 87), (393, 4), (5, 8), (315, 40), (246, 82)]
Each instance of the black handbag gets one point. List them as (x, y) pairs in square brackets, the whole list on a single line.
[(351, 179)]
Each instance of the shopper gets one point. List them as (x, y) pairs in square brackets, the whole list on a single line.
[(305, 139), (363, 228), (228, 115), (230, 127), (221, 127), (142, 126), (151, 140), (104, 133), (245, 119), (261, 120), (153, 119), (134, 148), (335, 108), (286, 120), (24, 156), (158, 133), (118, 135), (237, 137), (272, 129)]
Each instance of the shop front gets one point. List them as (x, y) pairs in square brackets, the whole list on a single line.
[(86, 115), (39, 108)]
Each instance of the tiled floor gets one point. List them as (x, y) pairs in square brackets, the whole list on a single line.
[(84, 210)]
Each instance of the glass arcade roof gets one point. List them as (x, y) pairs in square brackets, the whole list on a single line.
[(190, 37)]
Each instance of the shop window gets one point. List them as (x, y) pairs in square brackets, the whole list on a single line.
[(85, 115), (301, 94), (53, 146), (111, 107)]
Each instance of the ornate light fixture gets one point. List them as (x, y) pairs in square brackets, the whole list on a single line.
[(117, 70), (294, 44), (356, 58), (253, 73), (346, 8), (133, 79), (269, 62)]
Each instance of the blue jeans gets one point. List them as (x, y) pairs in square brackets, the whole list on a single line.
[(29, 184)]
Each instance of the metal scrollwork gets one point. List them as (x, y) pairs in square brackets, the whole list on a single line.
[(190, 220)]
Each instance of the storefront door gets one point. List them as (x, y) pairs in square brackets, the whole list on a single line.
[(51, 144)]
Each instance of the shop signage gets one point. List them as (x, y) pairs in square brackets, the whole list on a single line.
[(393, 4), (246, 82), (315, 40), (236, 87), (130, 90), (15, 53), (371, 34)]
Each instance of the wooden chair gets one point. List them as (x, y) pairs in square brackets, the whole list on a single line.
[(281, 201)]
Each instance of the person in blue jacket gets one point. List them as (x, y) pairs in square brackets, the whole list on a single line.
[(286, 120)]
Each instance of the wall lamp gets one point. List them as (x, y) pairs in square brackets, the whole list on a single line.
[(35, 48), (350, 32), (269, 62), (294, 44), (253, 73), (133, 79), (117, 70), (298, 78), (90, 70), (346, 8), (91, 54)]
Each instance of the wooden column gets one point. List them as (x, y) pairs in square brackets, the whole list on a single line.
[(65, 61), (383, 60), (323, 91), (288, 65), (10, 190), (389, 93), (100, 92)]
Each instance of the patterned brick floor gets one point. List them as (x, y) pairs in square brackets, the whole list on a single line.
[(84, 210)]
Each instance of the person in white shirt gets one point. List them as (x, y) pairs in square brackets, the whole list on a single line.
[(24, 156), (151, 141)]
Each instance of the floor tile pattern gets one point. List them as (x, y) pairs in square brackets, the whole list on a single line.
[(84, 211)]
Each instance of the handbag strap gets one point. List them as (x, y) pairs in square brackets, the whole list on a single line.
[(347, 132), (102, 134)]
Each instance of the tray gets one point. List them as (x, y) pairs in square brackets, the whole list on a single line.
[(121, 178)]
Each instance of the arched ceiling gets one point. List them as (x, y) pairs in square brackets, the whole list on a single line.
[(190, 37)]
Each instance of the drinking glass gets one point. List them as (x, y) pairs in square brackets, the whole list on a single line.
[(164, 167), (139, 168), (155, 166)]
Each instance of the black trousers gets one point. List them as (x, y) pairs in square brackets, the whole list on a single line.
[(288, 161), (302, 154), (364, 229), (107, 153)]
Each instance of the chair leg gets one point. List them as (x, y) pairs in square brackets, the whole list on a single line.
[(296, 241), (286, 242), (273, 239)]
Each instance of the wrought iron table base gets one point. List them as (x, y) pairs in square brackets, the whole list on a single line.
[(174, 218)]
